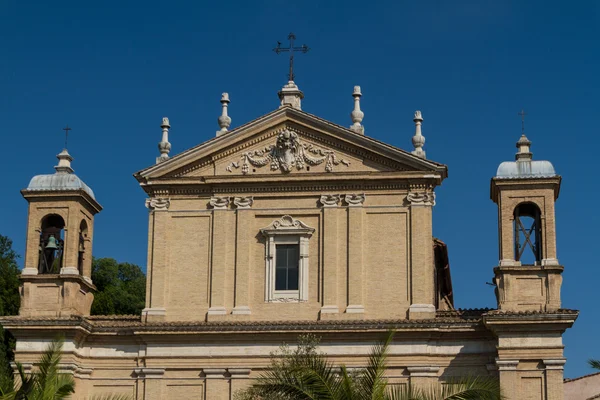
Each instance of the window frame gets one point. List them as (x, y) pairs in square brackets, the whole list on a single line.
[(286, 230)]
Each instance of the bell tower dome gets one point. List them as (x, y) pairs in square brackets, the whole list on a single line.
[(529, 275), (56, 280)]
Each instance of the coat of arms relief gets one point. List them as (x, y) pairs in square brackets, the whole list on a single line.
[(288, 153)]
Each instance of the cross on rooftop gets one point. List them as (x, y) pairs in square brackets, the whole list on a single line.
[(522, 114), (303, 49), (66, 129)]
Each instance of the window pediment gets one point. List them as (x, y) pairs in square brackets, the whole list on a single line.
[(287, 225)]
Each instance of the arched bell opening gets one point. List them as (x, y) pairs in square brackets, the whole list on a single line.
[(528, 234), (83, 236), (51, 244)]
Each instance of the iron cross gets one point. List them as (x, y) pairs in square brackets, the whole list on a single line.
[(67, 129), (522, 114), (304, 48)]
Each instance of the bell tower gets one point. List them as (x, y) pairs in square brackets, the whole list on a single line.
[(56, 280), (528, 276)]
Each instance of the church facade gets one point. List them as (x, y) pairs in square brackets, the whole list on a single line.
[(285, 225)]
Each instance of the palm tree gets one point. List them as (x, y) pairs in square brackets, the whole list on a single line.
[(305, 374), (47, 382)]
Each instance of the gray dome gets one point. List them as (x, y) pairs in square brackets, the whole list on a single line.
[(525, 169), (59, 181)]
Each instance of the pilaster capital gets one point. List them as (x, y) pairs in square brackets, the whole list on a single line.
[(150, 373), (507, 365), (219, 203), (239, 373), (420, 198), (329, 200), (423, 370), (555, 363), (243, 202), (158, 204), (214, 373), (355, 200)]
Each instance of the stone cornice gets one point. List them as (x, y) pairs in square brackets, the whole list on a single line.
[(74, 195)]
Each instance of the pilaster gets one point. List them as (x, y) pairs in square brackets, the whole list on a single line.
[(220, 248), (242, 259), (355, 253), (240, 379), (509, 380), (153, 383), (158, 260), (330, 255), (554, 378), (217, 386), (423, 376), (421, 202)]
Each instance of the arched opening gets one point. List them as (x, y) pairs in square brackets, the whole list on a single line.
[(528, 234), (83, 234), (51, 244)]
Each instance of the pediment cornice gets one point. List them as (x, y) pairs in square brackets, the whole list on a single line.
[(331, 136)]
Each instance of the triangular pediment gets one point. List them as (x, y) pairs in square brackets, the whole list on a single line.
[(288, 141)]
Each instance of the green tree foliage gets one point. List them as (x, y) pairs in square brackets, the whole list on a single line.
[(9, 278), (121, 287), (305, 373), (9, 305), (46, 382)]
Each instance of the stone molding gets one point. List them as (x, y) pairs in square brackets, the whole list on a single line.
[(355, 200), (239, 373), (288, 153), (329, 200), (219, 203), (243, 202), (158, 204)]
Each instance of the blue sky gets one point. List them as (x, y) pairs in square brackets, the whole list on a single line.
[(113, 69)]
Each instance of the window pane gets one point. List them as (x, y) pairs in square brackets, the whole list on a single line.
[(286, 266), (280, 278), (292, 279)]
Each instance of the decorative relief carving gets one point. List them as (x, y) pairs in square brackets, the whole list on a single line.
[(157, 204), (243, 202), (287, 222), (286, 154), (329, 200), (354, 200), (219, 203), (421, 198), (287, 300)]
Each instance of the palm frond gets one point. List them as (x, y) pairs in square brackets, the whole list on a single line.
[(594, 363), (465, 388), (371, 383)]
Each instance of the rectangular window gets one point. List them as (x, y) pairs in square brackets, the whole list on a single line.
[(287, 257)]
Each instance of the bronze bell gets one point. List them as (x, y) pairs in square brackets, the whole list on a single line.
[(51, 245)]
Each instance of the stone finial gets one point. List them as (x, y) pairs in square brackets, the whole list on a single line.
[(291, 96), (224, 119), (64, 163), (524, 153), (418, 140), (164, 146), (357, 115)]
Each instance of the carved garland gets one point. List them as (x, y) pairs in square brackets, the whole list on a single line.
[(286, 154)]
